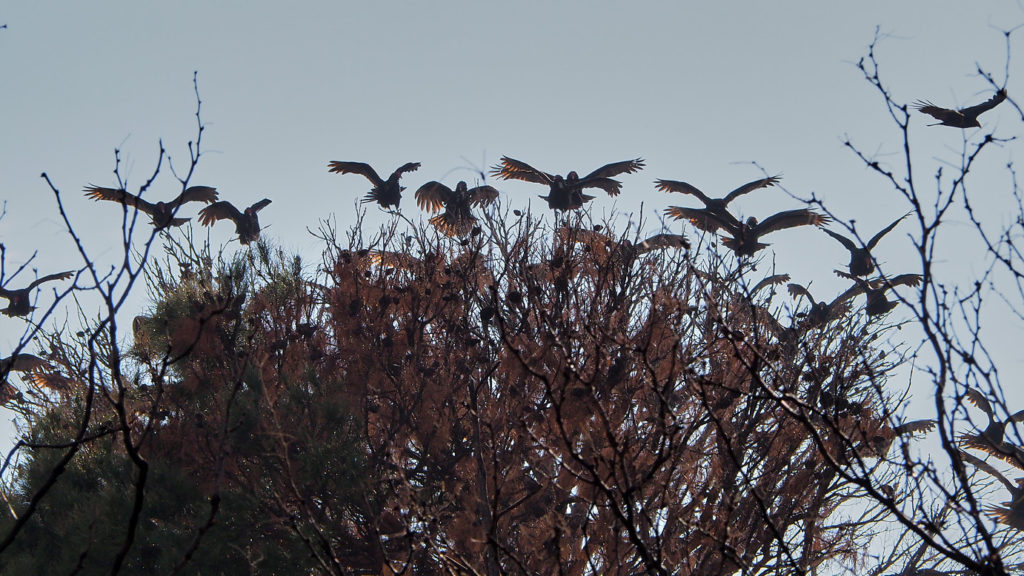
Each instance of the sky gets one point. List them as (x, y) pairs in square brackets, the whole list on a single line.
[(701, 91)]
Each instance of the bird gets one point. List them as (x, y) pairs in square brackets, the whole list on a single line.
[(991, 439), (880, 442), (457, 218), (247, 224), (745, 235), (386, 193), (567, 193), (19, 363), (861, 262), (716, 205), (1013, 512), (162, 214), (821, 312), (964, 117), (877, 302), (624, 248), (19, 304)]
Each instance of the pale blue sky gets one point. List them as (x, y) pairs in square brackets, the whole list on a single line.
[(696, 89)]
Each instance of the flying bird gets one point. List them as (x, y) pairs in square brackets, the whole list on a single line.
[(877, 302), (1013, 513), (991, 439), (567, 193), (718, 206), (745, 235), (964, 117), (162, 214), (386, 193), (19, 363), (861, 262), (822, 312), (247, 224), (457, 218), (880, 442), (19, 299)]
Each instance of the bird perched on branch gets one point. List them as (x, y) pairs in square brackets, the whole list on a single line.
[(745, 235), (457, 218), (717, 206), (19, 299), (162, 214), (386, 193), (861, 262), (247, 224), (964, 117), (877, 302), (567, 193)]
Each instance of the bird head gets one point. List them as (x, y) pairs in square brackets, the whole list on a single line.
[(572, 176), (751, 222), (461, 187)]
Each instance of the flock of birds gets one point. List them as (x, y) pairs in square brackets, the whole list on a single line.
[(454, 217)]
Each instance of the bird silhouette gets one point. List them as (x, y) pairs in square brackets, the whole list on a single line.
[(567, 193), (247, 224), (622, 248), (861, 262), (716, 205), (457, 218), (991, 439), (822, 312), (162, 214), (964, 117), (877, 302), (19, 363), (19, 304), (386, 193), (745, 235)]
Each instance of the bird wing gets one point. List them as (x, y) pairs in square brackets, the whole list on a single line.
[(393, 260), (683, 188), (985, 466), (798, 290), (260, 205), (616, 168), (912, 280), (361, 168), (407, 167), (874, 239), (433, 196), (975, 397), (751, 186), (120, 196), (842, 239), (915, 427), (940, 114), (789, 219), (701, 218), (770, 281), (609, 185), (976, 110), (859, 287), (511, 169), (570, 235), (57, 276), (660, 241), (26, 362), (482, 195), (219, 211), (204, 194)]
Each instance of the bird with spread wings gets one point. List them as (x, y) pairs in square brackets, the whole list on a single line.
[(162, 214), (567, 193)]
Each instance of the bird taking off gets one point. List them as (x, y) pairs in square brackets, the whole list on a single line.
[(861, 262), (162, 214), (386, 193), (457, 218), (247, 224), (19, 299), (567, 193), (716, 205), (745, 236), (964, 117)]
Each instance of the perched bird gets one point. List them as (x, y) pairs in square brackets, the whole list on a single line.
[(162, 214), (1013, 513), (386, 193), (861, 262), (567, 193), (247, 224), (991, 439), (822, 312), (964, 117), (717, 206), (745, 235), (19, 299), (457, 219), (875, 290)]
